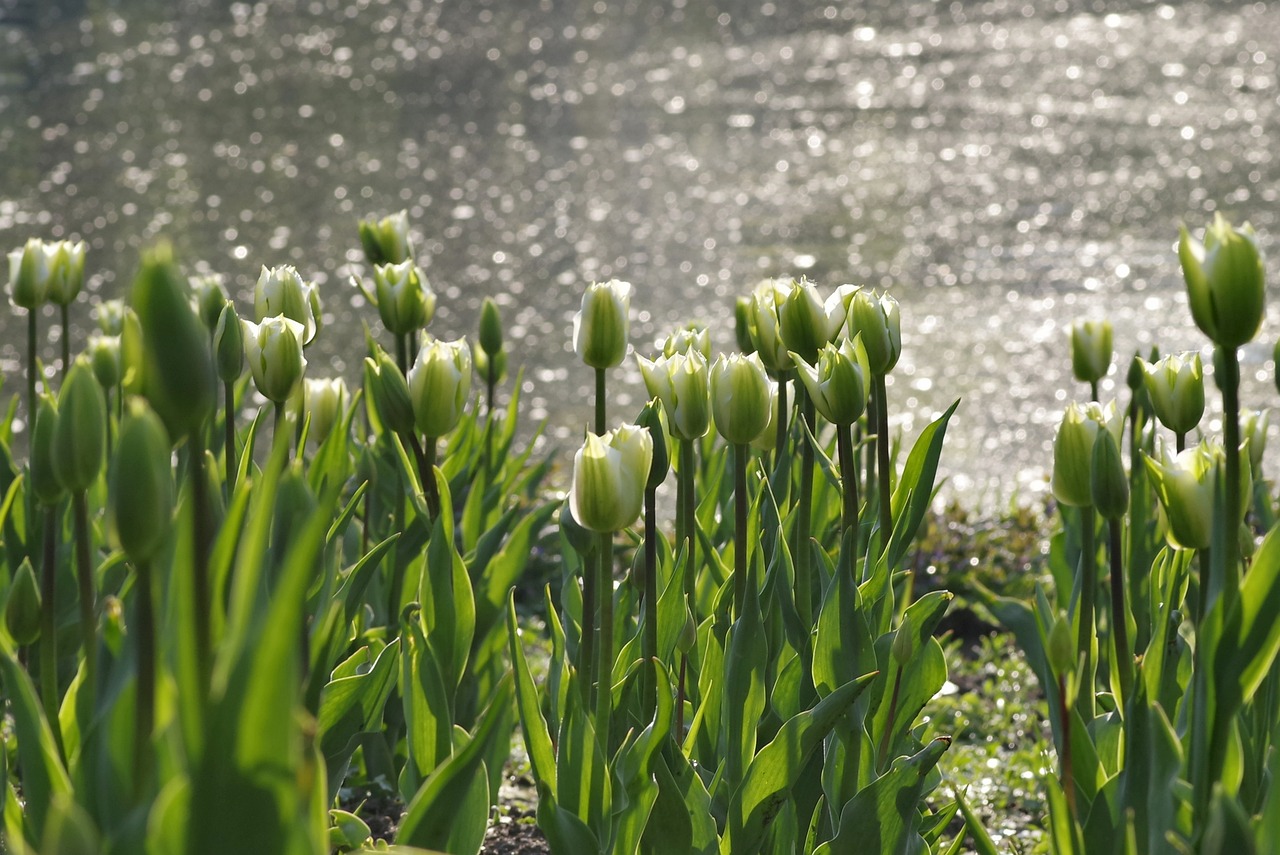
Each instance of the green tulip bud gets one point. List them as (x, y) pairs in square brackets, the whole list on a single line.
[(498, 361), (1110, 482), (743, 326), (805, 323), (609, 477), (133, 354), (876, 317), (1135, 379), (176, 370), (66, 271), (45, 485), (104, 356), (110, 316), (324, 401), (1090, 350), (683, 384), (765, 441), (228, 344), (208, 296), (141, 491), (29, 275), (439, 383), (405, 300), (1253, 431), (1225, 282), (347, 831), (273, 350), (22, 609), (840, 383), (650, 418), (1073, 450), (766, 302), (391, 394), (386, 241), (1185, 484), (1175, 385), (79, 434), (600, 328), (740, 397), (695, 336), (1060, 647), (490, 328), (282, 291)]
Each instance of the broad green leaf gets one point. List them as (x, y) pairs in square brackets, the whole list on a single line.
[(351, 706), (533, 726), (44, 779), (448, 604), (746, 655), (915, 487), (582, 775), (428, 711)]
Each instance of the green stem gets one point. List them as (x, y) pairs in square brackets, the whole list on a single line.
[(88, 599), (229, 449), (1119, 614), (1180, 442), (201, 587), (278, 425), (402, 354), (64, 314), (1093, 390), (31, 370), (649, 641), (604, 648), (740, 566), (687, 507), (1068, 777), (802, 553), (48, 626), (882, 450), (587, 635), (426, 458), (1088, 597), (1227, 375), (600, 402), (491, 383), (848, 481), (780, 421), (144, 721)]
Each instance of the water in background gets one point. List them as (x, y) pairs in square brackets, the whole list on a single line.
[(1002, 167)]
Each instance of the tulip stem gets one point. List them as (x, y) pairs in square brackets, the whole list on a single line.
[(1093, 390), (600, 402), (84, 579), (1180, 441), (278, 426), (587, 633), (145, 713), (688, 507), (649, 647), (201, 588), (429, 451), (1119, 614), (1068, 777), (604, 690), (229, 420), (849, 483), (31, 369), (740, 567), (882, 450), (48, 626), (802, 553), (780, 421), (1088, 595), (64, 314), (402, 354), (1227, 375)]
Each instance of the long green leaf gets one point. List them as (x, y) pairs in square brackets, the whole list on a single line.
[(43, 777), (915, 487)]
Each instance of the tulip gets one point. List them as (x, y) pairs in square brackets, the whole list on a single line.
[(66, 271), (273, 349), (405, 300), (79, 436), (1109, 483), (325, 401), (1090, 350), (228, 344), (682, 383), (22, 608), (1184, 485), (766, 304), (876, 318), (389, 392), (104, 356), (765, 441), (439, 383), (110, 316), (840, 382), (1175, 385), (490, 328), (806, 323), (695, 336), (609, 476), (1253, 429), (1073, 450), (1225, 284), (740, 397), (744, 325), (208, 296), (142, 493), (600, 329), (45, 484), (29, 275), (282, 291), (386, 241)]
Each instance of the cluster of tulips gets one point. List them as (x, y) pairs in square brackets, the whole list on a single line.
[(1162, 682)]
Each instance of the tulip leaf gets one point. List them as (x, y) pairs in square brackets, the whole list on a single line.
[(746, 655), (843, 645), (44, 779), (448, 603), (1249, 656), (533, 726), (351, 706), (428, 707), (915, 487)]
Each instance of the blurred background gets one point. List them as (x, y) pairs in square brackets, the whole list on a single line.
[(1002, 168)]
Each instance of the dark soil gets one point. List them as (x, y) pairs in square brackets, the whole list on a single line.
[(514, 833)]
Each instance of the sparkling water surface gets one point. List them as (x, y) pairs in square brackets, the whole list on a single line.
[(1002, 168)]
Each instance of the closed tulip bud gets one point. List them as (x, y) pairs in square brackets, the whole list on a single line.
[(104, 356), (876, 317), (683, 384), (609, 477), (1073, 450), (1135, 379), (66, 271), (325, 401), (174, 364), (601, 327), (766, 303), (1184, 485), (141, 493), (740, 398), (840, 382), (282, 291), (498, 361), (208, 296), (439, 383), (45, 485), (743, 326), (1225, 282), (79, 434), (390, 394), (22, 609), (405, 300), (765, 441), (650, 419), (804, 322), (110, 316), (1253, 432), (1110, 483), (29, 275), (228, 344), (386, 241), (1175, 385), (273, 350), (133, 354), (1090, 350), (695, 336), (490, 328), (1061, 649)]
